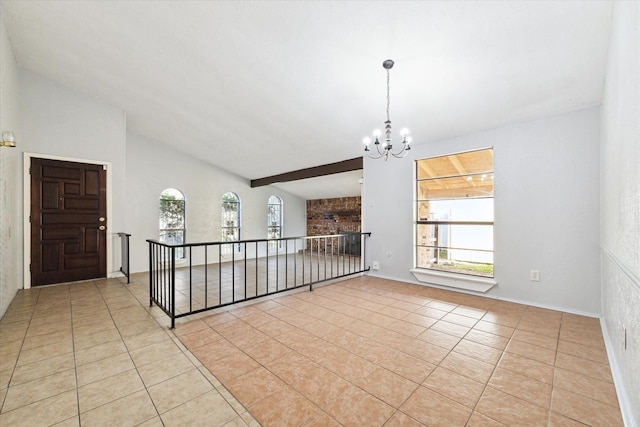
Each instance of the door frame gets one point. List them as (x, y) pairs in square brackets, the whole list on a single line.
[(26, 198)]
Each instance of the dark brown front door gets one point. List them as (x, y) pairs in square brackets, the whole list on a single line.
[(68, 221)]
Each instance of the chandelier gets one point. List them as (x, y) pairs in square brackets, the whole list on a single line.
[(385, 147)]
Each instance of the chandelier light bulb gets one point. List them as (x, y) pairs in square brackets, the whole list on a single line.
[(366, 141), (404, 132), (409, 140), (377, 133)]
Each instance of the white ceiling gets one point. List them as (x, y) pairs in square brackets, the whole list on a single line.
[(261, 88)]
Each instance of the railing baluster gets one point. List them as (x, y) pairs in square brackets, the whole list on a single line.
[(219, 274), (343, 245), (163, 276), (349, 253), (206, 274), (173, 288), (266, 263), (233, 275), (295, 263), (324, 242), (151, 270), (190, 280)]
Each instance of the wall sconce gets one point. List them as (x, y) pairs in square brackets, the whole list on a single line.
[(8, 139)]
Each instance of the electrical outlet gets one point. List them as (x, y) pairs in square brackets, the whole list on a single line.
[(535, 276), (375, 265)]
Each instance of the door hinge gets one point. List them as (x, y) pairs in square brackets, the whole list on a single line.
[(30, 269)]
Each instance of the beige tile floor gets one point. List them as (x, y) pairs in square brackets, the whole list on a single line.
[(94, 353), (361, 352)]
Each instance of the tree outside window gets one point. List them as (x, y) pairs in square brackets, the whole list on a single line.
[(172, 219), (274, 221), (230, 224)]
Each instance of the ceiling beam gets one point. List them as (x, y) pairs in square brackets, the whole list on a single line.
[(313, 172)]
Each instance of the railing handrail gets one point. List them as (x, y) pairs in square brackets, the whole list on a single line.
[(235, 242)]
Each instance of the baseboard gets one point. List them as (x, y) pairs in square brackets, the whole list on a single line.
[(618, 379), (494, 297)]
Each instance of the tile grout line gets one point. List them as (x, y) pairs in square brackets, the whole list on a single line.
[(486, 385), (15, 365), (135, 366), (75, 364)]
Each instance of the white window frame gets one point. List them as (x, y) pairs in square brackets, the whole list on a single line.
[(456, 279)]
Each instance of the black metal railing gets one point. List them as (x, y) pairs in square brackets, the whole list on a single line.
[(124, 255), (211, 277)]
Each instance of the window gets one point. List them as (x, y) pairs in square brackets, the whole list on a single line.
[(454, 227), (274, 220), (172, 219), (230, 225)]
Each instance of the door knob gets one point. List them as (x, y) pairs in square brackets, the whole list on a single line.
[(102, 227), (101, 219)]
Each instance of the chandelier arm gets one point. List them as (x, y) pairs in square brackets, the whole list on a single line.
[(400, 154), (374, 157)]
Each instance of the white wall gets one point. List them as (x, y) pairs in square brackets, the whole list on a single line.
[(620, 205), (60, 123), (546, 209), (10, 161), (153, 167), (56, 121)]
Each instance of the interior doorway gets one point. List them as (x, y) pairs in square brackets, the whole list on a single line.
[(68, 221)]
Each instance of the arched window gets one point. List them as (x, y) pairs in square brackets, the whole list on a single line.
[(172, 219), (274, 217), (230, 225)]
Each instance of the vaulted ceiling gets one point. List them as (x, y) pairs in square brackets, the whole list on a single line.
[(261, 88)]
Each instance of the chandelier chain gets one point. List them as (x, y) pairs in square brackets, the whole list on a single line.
[(388, 96)]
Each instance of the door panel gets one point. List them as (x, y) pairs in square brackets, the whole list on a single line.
[(81, 204), (62, 216), (68, 201)]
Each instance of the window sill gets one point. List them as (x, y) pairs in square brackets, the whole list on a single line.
[(458, 281)]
